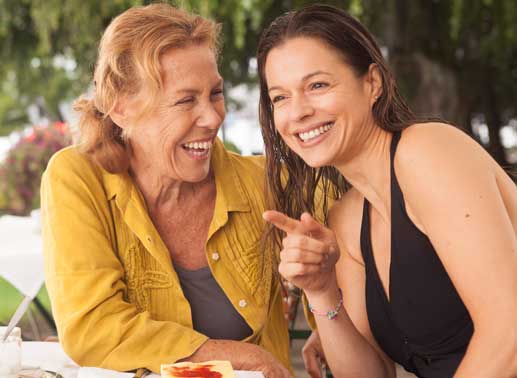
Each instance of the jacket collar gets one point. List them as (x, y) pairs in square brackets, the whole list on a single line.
[(230, 196), (230, 190)]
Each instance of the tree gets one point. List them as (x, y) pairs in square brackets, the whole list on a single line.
[(47, 53), (49, 47), (452, 58)]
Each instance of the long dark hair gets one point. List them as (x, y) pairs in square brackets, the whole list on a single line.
[(292, 186)]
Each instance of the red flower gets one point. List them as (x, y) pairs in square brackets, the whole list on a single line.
[(25, 162), (30, 137), (61, 127)]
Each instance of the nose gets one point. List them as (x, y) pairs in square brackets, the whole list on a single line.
[(212, 116), (300, 108)]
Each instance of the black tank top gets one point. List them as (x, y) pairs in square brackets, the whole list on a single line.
[(424, 326)]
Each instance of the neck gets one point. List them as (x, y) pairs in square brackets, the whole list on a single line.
[(368, 171), (161, 192)]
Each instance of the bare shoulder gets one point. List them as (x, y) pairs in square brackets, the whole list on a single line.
[(434, 143), (345, 220), (434, 153), (438, 160), (435, 163)]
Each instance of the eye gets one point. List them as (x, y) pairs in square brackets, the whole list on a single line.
[(276, 99), (217, 92), (318, 85), (185, 100)]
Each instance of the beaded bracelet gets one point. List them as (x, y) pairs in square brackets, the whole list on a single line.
[(332, 314)]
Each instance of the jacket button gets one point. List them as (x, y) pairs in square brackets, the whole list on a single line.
[(215, 256), (148, 238), (243, 303)]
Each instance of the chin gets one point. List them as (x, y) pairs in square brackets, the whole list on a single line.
[(196, 177), (316, 165), (315, 162)]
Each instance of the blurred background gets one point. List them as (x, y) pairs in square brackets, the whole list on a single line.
[(454, 59)]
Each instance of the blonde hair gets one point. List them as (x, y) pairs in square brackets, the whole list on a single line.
[(129, 64)]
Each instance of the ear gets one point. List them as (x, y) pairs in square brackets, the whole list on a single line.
[(120, 112), (374, 80)]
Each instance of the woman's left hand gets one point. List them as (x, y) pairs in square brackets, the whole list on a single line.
[(309, 253)]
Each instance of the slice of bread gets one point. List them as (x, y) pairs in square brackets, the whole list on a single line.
[(207, 369)]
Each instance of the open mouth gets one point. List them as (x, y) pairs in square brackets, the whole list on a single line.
[(309, 135), (198, 149)]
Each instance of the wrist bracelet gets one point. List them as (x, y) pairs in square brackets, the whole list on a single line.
[(332, 314)]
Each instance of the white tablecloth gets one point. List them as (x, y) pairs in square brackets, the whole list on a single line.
[(21, 260), (50, 356)]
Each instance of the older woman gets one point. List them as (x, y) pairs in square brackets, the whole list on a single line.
[(151, 228), (426, 224)]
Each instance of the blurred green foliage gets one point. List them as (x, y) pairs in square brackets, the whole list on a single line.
[(48, 48), (467, 50)]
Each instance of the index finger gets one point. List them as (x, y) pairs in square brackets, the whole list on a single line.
[(283, 222)]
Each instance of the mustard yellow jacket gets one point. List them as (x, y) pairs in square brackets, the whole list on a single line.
[(115, 295)]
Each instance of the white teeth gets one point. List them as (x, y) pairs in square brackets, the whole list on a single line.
[(315, 132), (198, 145)]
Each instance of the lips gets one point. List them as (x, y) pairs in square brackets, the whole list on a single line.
[(198, 149), (197, 145), (306, 136)]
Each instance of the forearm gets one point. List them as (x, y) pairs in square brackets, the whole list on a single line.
[(347, 352), (139, 342), (490, 356), (242, 355), (101, 329), (238, 353)]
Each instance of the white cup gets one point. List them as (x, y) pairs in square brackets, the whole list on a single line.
[(10, 353)]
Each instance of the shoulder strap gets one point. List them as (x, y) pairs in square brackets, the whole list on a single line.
[(366, 249)]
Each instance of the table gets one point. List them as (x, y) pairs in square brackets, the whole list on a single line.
[(50, 356)]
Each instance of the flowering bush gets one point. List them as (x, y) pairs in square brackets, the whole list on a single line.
[(20, 173)]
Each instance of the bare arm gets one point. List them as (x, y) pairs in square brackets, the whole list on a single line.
[(460, 207), (349, 347)]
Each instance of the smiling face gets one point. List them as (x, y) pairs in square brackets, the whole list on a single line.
[(175, 138), (321, 107)]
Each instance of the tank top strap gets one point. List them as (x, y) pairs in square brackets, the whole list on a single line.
[(397, 198), (395, 139), (366, 250)]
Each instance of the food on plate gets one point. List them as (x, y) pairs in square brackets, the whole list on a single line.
[(208, 369)]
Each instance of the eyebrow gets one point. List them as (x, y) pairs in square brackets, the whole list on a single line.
[(219, 83), (305, 78)]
